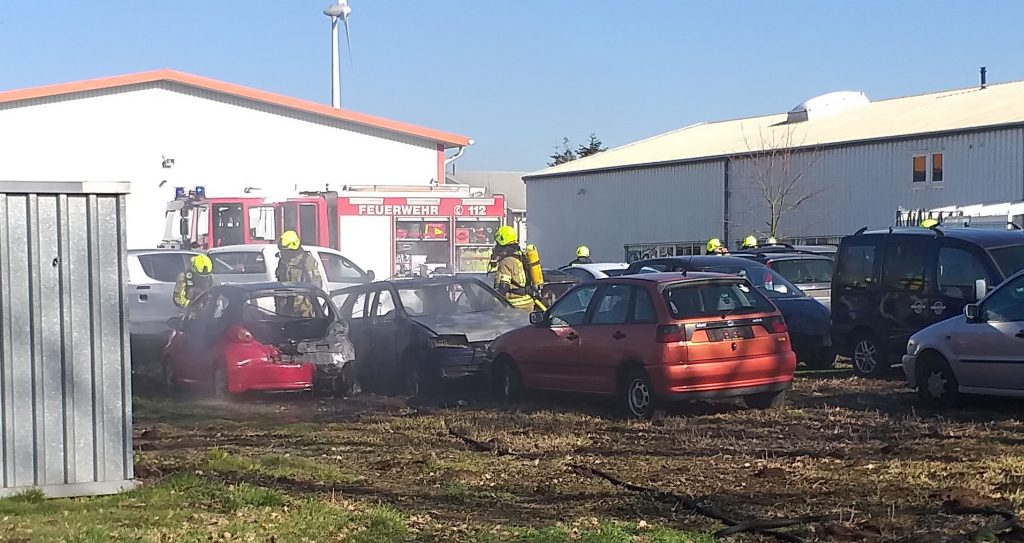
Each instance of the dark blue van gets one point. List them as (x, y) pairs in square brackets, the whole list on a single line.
[(889, 284)]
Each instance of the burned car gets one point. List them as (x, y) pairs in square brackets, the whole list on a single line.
[(260, 336), (411, 335)]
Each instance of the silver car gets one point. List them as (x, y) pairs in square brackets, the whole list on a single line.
[(151, 277), (979, 352)]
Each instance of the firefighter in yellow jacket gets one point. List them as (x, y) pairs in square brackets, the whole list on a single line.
[(510, 280), (197, 280), (296, 265)]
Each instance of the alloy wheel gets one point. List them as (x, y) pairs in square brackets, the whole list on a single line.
[(638, 397), (865, 356)]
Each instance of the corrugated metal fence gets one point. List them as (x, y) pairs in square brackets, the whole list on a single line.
[(65, 373)]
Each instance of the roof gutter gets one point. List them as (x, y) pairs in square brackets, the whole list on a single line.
[(458, 154)]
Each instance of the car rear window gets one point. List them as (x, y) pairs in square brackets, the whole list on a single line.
[(805, 270), (714, 299), (767, 280), (165, 267), (614, 272), (241, 262)]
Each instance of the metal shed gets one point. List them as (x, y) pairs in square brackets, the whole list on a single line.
[(65, 371)]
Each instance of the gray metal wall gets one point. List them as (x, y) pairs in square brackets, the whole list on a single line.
[(861, 185), (608, 210), (65, 377)]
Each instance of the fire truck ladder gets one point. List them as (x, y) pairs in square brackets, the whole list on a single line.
[(1003, 213)]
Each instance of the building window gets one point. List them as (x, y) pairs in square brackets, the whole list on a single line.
[(936, 168), (920, 173)]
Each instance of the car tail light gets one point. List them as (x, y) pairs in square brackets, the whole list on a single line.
[(671, 333), (777, 325), (240, 334), (769, 282)]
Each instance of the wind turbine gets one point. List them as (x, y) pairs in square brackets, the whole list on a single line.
[(341, 10)]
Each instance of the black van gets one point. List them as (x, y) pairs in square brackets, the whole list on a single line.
[(889, 284)]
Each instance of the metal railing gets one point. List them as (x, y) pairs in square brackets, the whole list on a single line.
[(642, 251)]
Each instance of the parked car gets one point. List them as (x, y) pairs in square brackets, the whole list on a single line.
[(978, 352), (585, 272), (811, 272), (238, 338), (258, 264), (413, 334), (806, 318), (151, 277), (890, 284), (651, 339)]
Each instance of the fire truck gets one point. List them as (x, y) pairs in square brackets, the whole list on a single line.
[(405, 230)]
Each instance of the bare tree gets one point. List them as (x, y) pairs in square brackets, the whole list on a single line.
[(781, 163)]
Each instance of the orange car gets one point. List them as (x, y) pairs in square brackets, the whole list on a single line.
[(651, 339)]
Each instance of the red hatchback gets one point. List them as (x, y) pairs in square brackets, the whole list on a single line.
[(650, 339), (267, 336)]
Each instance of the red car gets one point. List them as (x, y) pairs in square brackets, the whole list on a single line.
[(650, 339), (248, 337)]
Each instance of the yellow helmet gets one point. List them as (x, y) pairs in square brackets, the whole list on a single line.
[(583, 251), (289, 240), (929, 223), (506, 235), (750, 242), (713, 244), (202, 264)]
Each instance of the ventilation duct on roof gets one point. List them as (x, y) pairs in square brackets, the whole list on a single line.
[(826, 104)]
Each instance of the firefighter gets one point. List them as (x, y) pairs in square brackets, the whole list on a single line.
[(510, 280), (296, 265), (715, 247), (197, 280), (582, 256), (749, 242)]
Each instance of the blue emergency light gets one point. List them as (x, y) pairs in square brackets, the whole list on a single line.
[(200, 191), (179, 192)]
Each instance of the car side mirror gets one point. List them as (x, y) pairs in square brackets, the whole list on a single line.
[(174, 323), (980, 289), (370, 276), (537, 318), (972, 312), (183, 227)]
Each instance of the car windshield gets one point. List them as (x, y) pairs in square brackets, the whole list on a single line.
[(457, 298), (614, 272), (714, 298), (1010, 259), (277, 318), (805, 270), (765, 279)]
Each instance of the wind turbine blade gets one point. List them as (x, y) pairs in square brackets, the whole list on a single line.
[(348, 40)]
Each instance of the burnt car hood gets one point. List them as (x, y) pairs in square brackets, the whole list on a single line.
[(482, 326)]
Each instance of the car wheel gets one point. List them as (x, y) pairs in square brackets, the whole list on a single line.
[(219, 388), (509, 383), (170, 376), (823, 359), (765, 400), (869, 357), (638, 395), (936, 383)]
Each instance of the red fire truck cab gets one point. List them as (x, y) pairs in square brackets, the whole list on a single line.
[(409, 230)]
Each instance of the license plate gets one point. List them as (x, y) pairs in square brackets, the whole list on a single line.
[(726, 334)]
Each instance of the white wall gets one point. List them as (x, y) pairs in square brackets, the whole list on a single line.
[(222, 143), (608, 210)]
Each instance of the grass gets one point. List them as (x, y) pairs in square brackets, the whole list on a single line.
[(374, 469), (276, 466), (187, 508)]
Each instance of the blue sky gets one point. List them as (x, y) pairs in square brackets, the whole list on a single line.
[(518, 76)]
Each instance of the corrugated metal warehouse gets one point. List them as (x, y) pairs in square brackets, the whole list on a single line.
[(165, 128), (855, 160), (65, 388)]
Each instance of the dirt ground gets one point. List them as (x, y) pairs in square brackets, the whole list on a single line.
[(859, 449)]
